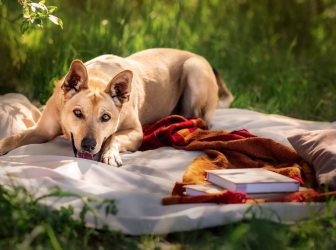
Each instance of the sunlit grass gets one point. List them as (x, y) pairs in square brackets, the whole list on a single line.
[(274, 58)]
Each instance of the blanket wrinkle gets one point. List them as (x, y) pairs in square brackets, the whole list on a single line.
[(165, 132), (224, 150)]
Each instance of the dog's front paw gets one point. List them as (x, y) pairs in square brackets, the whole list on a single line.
[(111, 157)]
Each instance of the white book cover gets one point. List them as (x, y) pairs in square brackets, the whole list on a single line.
[(252, 180), (195, 190)]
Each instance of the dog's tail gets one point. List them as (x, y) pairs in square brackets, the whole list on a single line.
[(225, 97)]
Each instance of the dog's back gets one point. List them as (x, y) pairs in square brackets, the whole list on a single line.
[(168, 81), (178, 82)]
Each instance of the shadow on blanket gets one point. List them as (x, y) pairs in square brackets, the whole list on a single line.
[(228, 150)]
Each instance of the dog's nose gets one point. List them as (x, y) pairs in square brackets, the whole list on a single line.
[(89, 144)]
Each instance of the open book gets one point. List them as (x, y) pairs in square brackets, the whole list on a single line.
[(252, 180)]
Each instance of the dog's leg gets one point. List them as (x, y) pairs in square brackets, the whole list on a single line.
[(46, 129), (121, 141), (199, 98), (130, 138)]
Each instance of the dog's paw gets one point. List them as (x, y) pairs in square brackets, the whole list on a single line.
[(111, 157)]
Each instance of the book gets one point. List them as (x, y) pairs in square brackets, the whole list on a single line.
[(195, 190), (251, 180)]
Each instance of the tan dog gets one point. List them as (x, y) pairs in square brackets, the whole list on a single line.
[(100, 105)]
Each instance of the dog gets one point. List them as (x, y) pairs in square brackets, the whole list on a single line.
[(101, 105)]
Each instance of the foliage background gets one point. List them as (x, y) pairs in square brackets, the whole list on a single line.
[(275, 56)]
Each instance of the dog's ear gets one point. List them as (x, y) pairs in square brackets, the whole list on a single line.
[(76, 79), (120, 87)]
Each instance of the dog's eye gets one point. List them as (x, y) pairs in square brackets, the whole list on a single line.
[(78, 113), (105, 118)]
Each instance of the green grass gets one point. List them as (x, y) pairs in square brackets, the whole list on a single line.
[(26, 224), (275, 56)]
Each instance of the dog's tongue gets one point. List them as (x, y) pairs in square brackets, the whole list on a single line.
[(85, 156)]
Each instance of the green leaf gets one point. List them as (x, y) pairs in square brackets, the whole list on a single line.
[(42, 2), (26, 11), (51, 9), (41, 15), (42, 11), (60, 23), (39, 23), (52, 237), (24, 25)]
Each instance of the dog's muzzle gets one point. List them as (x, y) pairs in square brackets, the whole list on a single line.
[(79, 154)]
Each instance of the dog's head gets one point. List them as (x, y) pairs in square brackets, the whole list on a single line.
[(91, 107)]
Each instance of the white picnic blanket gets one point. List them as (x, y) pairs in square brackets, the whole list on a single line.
[(145, 177)]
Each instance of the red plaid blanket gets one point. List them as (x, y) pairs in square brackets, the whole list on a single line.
[(227, 149)]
